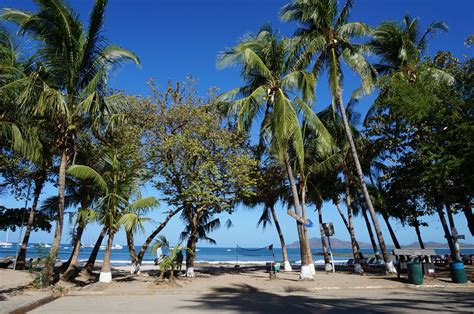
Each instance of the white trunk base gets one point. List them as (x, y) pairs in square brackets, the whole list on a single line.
[(287, 266), (312, 268), (358, 269), (105, 277), (135, 269), (190, 272), (307, 272), (328, 267), (390, 268)]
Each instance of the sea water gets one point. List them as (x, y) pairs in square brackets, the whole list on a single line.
[(212, 255)]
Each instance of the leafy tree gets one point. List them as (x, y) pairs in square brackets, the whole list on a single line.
[(424, 132), (11, 218), (202, 165)]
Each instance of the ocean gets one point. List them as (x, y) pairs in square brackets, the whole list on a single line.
[(212, 255)]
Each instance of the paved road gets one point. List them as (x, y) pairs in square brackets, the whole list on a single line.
[(247, 299)]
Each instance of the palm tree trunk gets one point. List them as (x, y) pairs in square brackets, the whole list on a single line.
[(132, 252), (327, 261), (39, 184), (307, 246), (418, 234), (72, 267), (371, 234), (390, 230), (306, 269), (355, 251), (286, 261), (338, 206), (388, 262), (49, 267), (105, 273), (145, 245), (89, 267)]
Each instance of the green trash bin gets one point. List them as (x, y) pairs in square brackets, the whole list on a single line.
[(458, 273), (415, 273)]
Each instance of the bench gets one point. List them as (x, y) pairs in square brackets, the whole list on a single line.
[(424, 256)]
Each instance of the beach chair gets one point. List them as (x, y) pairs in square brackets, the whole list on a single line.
[(404, 256)]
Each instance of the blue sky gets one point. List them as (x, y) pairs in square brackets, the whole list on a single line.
[(179, 38)]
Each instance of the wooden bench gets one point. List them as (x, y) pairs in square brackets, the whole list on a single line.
[(424, 256)]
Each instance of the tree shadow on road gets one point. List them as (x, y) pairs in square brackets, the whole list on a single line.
[(248, 299)]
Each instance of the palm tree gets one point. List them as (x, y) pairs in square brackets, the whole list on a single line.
[(17, 131), (73, 94), (171, 261), (400, 46), (271, 187), (133, 220), (152, 236), (118, 183), (270, 80), (324, 39), (198, 226)]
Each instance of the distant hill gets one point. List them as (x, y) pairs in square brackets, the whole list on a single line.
[(341, 244), (335, 243), (434, 245)]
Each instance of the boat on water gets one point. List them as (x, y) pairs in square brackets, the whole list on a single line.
[(44, 245), (229, 250), (117, 247), (102, 247), (87, 246), (5, 244)]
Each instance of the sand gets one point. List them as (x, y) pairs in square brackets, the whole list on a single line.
[(210, 280)]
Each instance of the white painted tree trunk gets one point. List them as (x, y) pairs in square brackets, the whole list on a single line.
[(287, 266), (328, 267), (190, 272), (307, 272), (105, 277), (135, 269), (390, 267)]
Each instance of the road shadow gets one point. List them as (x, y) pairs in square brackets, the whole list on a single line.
[(248, 299)]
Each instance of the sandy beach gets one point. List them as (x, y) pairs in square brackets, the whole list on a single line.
[(224, 285)]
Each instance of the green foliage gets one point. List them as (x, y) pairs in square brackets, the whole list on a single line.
[(271, 80), (200, 164), (171, 261), (425, 127), (12, 218)]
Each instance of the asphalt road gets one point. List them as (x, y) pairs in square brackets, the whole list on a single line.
[(247, 299)]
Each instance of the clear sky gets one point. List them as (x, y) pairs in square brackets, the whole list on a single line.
[(179, 38)]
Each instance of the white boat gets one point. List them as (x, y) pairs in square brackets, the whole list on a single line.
[(88, 246), (117, 247), (229, 250), (44, 245), (102, 247), (5, 244)]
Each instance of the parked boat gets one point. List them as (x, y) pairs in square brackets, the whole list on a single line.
[(5, 244), (117, 247)]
